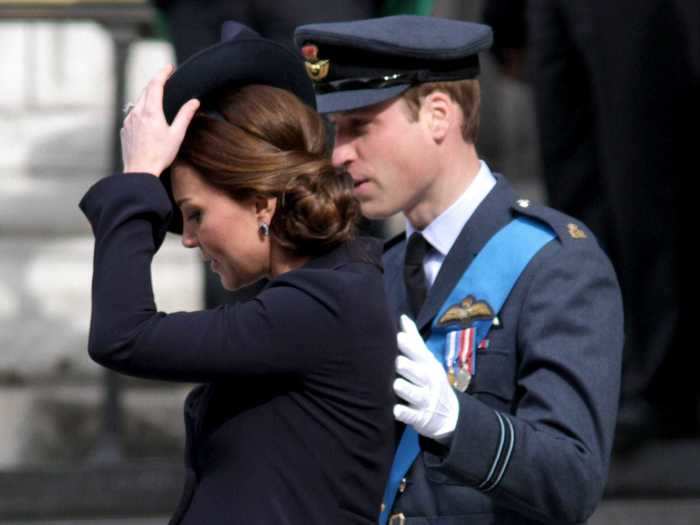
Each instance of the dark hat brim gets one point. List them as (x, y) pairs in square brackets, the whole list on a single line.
[(234, 63), (247, 59), (355, 99)]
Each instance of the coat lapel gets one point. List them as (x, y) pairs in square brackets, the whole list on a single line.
[(491, 215)]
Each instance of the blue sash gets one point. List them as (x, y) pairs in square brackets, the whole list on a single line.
[(490, 277)]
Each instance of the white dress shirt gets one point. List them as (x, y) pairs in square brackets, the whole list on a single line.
[(444, 230)]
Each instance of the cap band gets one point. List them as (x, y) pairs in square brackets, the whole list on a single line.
[(414, 77)]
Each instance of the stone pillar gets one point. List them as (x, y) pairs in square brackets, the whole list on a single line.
[(55, 128)]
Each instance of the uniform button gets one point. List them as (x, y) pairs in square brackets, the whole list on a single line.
[(381, 508), (523, 203), (402, 486)]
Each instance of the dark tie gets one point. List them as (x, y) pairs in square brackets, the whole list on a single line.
[(413, 274)]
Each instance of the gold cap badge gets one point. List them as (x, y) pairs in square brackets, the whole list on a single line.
[(315, 68), (576, 232)]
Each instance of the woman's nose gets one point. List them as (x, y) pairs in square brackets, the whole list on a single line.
[(189, 240)]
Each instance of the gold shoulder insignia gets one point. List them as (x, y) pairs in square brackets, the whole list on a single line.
[(315, 68), (576, 232), (466, 311)]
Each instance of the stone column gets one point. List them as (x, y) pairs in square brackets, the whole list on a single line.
[(55, 126)]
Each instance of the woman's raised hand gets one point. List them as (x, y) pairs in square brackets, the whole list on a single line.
[(149, 144)]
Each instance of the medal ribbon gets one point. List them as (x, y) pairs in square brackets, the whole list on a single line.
[(466, 350), (460, 354)]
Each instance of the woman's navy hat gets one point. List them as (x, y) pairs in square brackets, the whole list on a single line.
[(364, 62), (241, 58)]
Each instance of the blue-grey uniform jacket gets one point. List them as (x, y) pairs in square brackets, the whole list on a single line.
[(293, 424), (535, 428)]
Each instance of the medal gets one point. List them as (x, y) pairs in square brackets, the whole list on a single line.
[(463, 379), (451, 376)]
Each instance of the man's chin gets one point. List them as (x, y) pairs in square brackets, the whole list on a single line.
[(376, 213)]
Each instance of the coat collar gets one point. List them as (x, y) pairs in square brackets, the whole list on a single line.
[(361, 249)]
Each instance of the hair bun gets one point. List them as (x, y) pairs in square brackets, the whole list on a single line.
[(318, 210)]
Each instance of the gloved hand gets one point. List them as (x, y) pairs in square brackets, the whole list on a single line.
[(432, 408)]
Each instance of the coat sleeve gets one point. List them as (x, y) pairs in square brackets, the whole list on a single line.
[(276, 333), (548, 458)]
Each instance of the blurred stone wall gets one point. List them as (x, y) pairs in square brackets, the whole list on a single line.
[(55, 102)]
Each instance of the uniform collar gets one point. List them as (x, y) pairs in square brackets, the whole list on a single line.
[(444, 230)]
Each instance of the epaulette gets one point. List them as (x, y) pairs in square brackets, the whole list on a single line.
[(566, 228), (396, 239)]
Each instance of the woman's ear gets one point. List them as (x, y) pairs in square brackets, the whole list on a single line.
[(265, 208)]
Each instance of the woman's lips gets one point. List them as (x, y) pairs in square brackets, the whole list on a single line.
[(211, 261)]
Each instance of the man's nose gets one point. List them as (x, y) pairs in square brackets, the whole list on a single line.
[(343, 153)]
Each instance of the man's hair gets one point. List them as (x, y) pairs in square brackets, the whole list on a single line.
[(465, 93)]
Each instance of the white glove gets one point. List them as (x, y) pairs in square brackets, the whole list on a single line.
[(432, 408)]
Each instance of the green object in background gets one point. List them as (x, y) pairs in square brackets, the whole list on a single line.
[(407, 7), (160, 26)]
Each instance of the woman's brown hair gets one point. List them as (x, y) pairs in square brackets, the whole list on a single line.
[(262, 140)]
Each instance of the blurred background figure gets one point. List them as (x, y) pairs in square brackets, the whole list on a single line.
[(615, 87), (194, 25)]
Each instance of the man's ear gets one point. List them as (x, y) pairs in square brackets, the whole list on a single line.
[(438, 113), (265, 208)]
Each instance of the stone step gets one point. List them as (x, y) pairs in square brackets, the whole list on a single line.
[(145, 488), (611, 512), (60, 425), (661, 469), (126, 489), (648, 512)]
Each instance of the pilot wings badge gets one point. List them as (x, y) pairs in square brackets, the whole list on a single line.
[(466, 312)]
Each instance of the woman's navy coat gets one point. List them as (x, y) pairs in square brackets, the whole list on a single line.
[(293, 423)]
